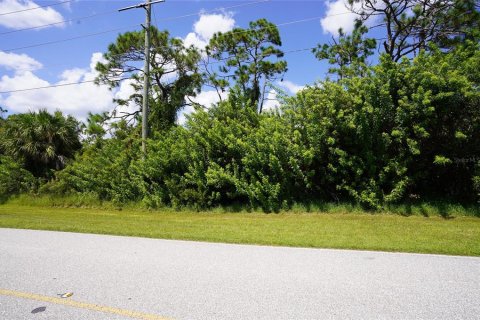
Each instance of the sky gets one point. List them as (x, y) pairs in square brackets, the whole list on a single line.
[(61, 42)]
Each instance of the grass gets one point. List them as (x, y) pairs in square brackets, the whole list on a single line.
[(444, 209), (457, 235)]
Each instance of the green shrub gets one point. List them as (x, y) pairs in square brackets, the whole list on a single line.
[(103, 170), (401, 133), (14, 179)]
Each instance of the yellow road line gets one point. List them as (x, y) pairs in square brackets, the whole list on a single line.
[(82, 305)]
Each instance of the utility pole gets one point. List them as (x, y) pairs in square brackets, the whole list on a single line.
[(146, 72)]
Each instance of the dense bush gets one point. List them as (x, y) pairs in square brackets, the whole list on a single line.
[(398, 132), (14, 179), (401, 130), (102, 169), (232, 154)]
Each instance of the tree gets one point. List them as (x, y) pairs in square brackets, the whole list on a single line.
[(463, 23), (411, 25), (246, 60), (349, 52), (13, 178), (40, 140), (173, 74), (405, 129), (94, 128)]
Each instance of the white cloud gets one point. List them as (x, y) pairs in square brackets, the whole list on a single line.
[(205, 99), (96, 58), (290, 86), (206, 26), (72, 75), (209, 24), (124, 92), (192, 39), (30, 18), (203, 30), (271, 102), (337, 16), (182, 115), (18, 62), (76, 100), (208, 98), (80, 99)]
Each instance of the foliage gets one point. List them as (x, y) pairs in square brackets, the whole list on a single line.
[(40, 141), (13, 178), (348, 55), (94, 129), (247, 60), (173, 74), (412, 25), (101, 169), (394, 134), (461, 23)]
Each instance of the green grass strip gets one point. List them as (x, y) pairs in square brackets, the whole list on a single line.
[(385, 232)]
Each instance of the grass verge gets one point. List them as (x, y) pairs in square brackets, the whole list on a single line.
[(454, 236), (430, 208)]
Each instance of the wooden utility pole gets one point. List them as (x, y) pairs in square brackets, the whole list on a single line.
[(146, 72)]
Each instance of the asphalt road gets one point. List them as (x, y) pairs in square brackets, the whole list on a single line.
[(113, 277)]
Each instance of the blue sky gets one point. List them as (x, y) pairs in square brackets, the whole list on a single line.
[(312, 22)]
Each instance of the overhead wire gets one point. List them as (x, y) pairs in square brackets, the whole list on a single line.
[(136, 25), (69, 39), (159, 47), (60, 22), (35, 8), (48, 87), (154, 15), (115, 11), (164, 19), (116, 29), (215, 9), (122, 79), (248, 30)]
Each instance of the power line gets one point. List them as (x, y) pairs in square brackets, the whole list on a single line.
[(214, 62), (48, 87), (122, 79), (154, 16), (39, 7), (216, 9), (115, 11), (108, 31), (136, 25), (248, 30), (69, 39), (60, 22)]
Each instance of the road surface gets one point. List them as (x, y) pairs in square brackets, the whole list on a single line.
[(123, 278)]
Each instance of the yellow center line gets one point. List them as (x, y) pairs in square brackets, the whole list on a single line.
[(82, 305)]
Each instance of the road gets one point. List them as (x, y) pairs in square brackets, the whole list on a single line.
[(123, 277)]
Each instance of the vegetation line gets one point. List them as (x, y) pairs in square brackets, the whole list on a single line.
[(456, 236)]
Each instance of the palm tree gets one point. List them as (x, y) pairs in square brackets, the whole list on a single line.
[(40, 140)]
